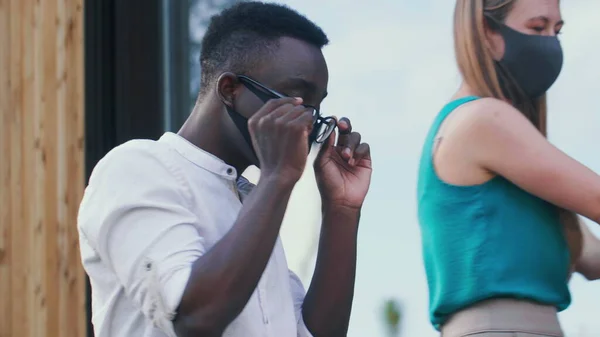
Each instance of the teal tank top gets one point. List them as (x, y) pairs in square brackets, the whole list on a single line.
[(492, 240)]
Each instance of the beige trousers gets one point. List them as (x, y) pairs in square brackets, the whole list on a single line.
[(506, 334), (504, 318)]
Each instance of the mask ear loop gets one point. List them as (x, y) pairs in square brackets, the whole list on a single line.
[(493, 23)]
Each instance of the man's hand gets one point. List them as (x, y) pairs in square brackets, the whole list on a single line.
[(280, 131), (343, 170), (343, 173), (225, 277)]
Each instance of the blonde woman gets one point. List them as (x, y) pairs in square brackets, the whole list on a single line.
[(498, 202)]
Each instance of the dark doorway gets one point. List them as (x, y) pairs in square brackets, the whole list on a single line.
[(141, 71)]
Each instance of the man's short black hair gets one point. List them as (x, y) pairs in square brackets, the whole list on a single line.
[(241, 35)]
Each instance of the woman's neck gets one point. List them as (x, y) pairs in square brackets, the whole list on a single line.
[(464, 91)]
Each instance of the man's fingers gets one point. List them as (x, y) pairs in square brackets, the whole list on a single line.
[(282, 111), (326, 147), (345, 129), (363, 151), (296, 112), (304, 119), (352, 142), (345, 125), (274, 104)]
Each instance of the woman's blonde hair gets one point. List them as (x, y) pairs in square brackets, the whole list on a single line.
[(489, 79), (475, 62)]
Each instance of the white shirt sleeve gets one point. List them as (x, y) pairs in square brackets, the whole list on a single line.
[(298, 294), (137, 210)]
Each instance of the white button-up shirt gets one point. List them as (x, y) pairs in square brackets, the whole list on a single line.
[(150, 210)]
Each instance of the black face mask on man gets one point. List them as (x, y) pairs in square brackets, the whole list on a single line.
[(322, 126), (241, 124), (533, 61)]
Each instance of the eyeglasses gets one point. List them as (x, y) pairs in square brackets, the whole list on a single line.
[(322, 126)]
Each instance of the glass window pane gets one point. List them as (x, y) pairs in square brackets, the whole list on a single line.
[(200, 13)]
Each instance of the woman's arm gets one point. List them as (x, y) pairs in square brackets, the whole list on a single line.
[(504, 142), (588, 263), (572, 231)]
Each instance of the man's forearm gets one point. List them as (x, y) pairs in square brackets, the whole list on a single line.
[(328, 302), (223, 280)]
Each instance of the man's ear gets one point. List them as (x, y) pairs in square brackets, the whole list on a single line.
[(227, 87)]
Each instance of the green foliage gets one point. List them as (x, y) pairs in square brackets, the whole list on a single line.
[(392, 316)]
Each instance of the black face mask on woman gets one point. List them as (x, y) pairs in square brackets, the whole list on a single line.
[(533, 61)]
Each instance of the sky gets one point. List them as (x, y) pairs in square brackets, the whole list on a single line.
[(391, 66)]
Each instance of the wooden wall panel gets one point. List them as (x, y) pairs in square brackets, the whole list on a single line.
[(42, 283)]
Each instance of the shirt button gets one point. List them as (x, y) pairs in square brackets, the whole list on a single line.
[(230, 171)]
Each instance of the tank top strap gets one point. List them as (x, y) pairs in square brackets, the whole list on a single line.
[(444, 113), (449, 108)]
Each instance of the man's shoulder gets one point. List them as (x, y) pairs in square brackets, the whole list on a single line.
[(136, 169), (138, 156), (135, 174), (137, 148)]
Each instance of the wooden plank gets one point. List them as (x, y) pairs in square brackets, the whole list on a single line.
[(63, 179), (33, 202), (42, 283), (48, 166), (20, 252), (74, 298), (36, 171), (5, 173)]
